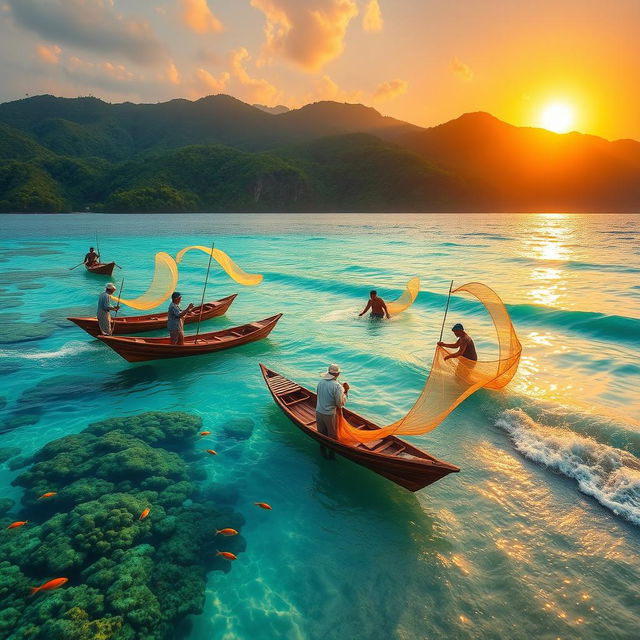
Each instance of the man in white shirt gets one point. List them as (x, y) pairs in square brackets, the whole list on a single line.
[(104, 308), (332, 396)]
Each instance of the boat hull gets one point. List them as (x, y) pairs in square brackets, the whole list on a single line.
[(139, 349), (391, 457), (102, 268), (153, 322)]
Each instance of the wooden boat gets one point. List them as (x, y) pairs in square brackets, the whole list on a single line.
[(391, 457), (151, 322), (102, 268), (141, 349)]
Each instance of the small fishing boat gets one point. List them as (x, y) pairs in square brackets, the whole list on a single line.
[(101, 268), (140, 349), (154, 321), (390, 457)]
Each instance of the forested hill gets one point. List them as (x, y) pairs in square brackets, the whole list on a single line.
[(220, 154)]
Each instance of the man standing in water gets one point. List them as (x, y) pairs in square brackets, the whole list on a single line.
[(377, 306), (175, 321), (91, 258), (464, 344), (332, 396), (104, 309)]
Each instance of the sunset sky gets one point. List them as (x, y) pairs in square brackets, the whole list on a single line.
[(572, 64)]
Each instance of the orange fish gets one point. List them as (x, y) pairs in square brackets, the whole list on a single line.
[(19, 523), (263, 505), (205, 433), (49, 494), (212, 452), (226, 532), (227, 554), (145, 513), (49, 586)]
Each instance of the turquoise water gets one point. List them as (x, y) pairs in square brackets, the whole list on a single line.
[(540, 532)]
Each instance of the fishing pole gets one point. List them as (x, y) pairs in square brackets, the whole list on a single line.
[(72, 268), (97, 246), (204, 289), (445, 311), (119, 297)]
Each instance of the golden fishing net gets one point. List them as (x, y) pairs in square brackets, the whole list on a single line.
[(165, 278), (406, 299), (232, 269), (451, 381)]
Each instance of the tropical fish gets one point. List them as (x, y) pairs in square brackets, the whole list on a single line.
[(205, 433), (49, 586), (145, 513), (226, 532), (19, 523), (49, 494), (263, 505), (227, 554), (212, 452)]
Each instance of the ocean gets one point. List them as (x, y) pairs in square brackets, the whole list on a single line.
[(537, 536)]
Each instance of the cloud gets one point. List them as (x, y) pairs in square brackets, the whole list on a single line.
[(94, 25), (372, 18), (172, 74), (390, 90), (198, 17), (307, 33), (50, 55), (207, 83), (255, 89), (460, 69)]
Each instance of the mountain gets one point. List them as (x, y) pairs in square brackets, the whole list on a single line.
[(279, 108), (220, 154), (513, 168)]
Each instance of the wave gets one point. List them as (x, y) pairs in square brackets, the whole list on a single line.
[(69, 349), (576, 265), (610, 475)]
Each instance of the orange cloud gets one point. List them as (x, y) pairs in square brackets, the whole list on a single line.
[(172, 74), (372, 18), (309, 33), (207, 83), (460, 69), (198, 17), (256, 89), (50, 55), (390, 90)]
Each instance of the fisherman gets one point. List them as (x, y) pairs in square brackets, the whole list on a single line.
[(464, 344), (91, 258), (377, 306), (332, 396), (104, 309), (175, 321)]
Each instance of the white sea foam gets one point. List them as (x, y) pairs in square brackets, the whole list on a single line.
[(338, 314), (69, 349), (610, 475)]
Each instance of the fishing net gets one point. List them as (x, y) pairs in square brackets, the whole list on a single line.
[(406, 299), (165, 279), (232, 269), (451, 381)]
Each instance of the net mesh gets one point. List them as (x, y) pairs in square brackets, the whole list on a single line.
[(406, 299), (451, 381), (230, 267), (165, 279)]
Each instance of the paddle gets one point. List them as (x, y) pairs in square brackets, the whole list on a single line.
[(119, 296), (445, 311), (72, 268), (204, 289)]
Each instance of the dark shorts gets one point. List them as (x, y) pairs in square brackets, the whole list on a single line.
[(328, 425), (377, 315)]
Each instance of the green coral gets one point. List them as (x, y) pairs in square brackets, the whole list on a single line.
[(129, 578)]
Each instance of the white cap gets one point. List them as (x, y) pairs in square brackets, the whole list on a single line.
[(111, 286), (332, 372)]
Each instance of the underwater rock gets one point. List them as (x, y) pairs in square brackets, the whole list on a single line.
[(19, 461), (17, 331), (58, 317), (129, 578), (8, 452), (6, 504)]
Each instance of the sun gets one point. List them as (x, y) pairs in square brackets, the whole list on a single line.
[(557, 117)]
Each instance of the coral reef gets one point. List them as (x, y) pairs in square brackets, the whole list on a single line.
[(129, 578)]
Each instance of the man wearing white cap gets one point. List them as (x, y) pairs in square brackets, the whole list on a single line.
[(104, 308), (332, 396)]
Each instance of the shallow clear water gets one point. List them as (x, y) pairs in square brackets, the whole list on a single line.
[(540, 532)]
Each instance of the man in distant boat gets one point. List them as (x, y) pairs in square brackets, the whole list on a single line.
[(91, 258), (104, 309), (464, 344), (175, 320), (332, 396), (377, 306)]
